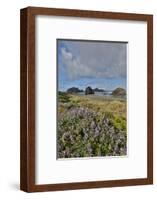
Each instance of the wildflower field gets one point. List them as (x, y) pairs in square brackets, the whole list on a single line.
[(91, 126)]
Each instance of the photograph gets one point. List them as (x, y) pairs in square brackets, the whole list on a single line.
[(92, 98), (86, 99)]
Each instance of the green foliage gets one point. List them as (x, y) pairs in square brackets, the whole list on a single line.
[(119, 122), (63, 97)]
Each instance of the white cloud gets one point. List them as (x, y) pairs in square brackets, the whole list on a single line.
[(74, 66), (66, 55), (91, 59)]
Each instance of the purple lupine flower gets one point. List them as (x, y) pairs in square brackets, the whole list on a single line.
[(89, 148), (93, 125), (96, 132)]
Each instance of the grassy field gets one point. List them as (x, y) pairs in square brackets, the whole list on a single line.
[(91, 126)]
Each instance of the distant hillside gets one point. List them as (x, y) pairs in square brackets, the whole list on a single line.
[(98, 90), (74, 90)]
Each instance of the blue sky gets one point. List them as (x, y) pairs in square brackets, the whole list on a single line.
[(96, 64)]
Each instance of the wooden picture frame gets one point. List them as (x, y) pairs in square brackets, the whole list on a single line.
[(27, 98)]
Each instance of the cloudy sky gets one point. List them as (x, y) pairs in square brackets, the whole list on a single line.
[(95, 64)]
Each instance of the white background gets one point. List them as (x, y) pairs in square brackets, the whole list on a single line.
[(49, 170), (9, 100)]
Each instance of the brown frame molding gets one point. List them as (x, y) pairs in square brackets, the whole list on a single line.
[(27, 98)]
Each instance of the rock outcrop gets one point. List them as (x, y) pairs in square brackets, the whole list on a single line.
[(119, 92), (89, 90)]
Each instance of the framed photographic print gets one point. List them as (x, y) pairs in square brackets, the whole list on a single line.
[(86, 99)]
